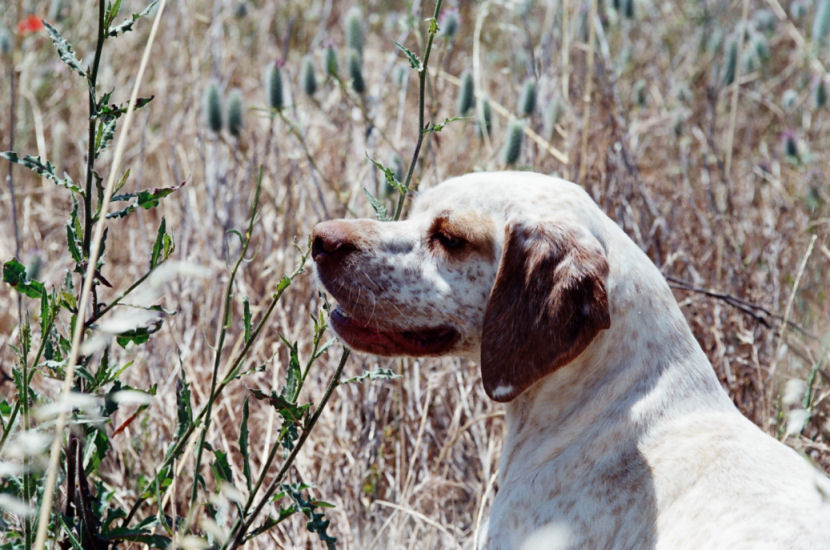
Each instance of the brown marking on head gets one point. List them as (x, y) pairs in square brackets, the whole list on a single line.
[(548, 303), (458, 234)]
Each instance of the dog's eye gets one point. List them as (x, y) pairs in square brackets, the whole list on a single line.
[(449, 242)]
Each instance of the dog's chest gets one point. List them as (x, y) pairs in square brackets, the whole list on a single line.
[(570, 502)]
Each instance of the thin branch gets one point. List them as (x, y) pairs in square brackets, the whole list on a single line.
[(759, 313)]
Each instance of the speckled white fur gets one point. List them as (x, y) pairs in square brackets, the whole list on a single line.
[(632, 445)]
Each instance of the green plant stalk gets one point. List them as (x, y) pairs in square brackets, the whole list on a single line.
[(92, 82), (242, 524), (275, 447), (292, 128), (26, 342), (422, 79), (360, 103), (232, 372), (17, 405), (237, 534), (103, 311), (226, 319)]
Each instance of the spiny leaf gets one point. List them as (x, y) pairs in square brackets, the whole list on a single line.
[(109, 111), (46, 169), (184, 411), (65, 50), (104, 135), (379, 208), (317, 522), (14, 273), (137, 336), (127, 24), (243, 445), (163, 245), (147, 199), (414, 61), (246, 317), (221, 468), (440, 126)]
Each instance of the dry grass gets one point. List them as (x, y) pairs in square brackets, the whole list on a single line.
[(410, 463)]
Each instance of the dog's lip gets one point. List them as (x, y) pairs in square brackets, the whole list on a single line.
[(413, 342)]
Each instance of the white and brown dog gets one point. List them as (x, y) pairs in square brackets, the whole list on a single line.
[(618, 432)]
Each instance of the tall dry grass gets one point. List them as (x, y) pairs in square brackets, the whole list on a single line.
[(411, 462)]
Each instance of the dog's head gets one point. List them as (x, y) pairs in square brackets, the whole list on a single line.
[(496, 266)]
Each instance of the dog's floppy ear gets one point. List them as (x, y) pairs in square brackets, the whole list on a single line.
[(549, 301)]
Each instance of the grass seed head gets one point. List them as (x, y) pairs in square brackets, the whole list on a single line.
[(485, 116), (760, 46), (213, 108), (730, 62), (356, 72), (821, 22), (275, 97), (332, 65), (513, 145), (354, 29), (466, 93), (628, 8), (764, 20), (820, 93), (450, 23), (527, 101), (553, 114), (5, 41), (234, 113), (640, 93), (791, 144), (798, 10), (789, 99), (308, 76)]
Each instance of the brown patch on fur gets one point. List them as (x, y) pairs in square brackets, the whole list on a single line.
[(548, 303), (474, 229)]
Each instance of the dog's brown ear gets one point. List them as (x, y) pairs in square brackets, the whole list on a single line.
[(548, 303)]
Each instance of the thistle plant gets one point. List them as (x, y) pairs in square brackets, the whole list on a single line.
[(354, 30), (308, 78), (466, 94), (332, 65), (44, 348), (234, 112), (213, 108), (553, 114), (484, 120), (730, 62), (821, 23), (527, 99), (820, 93), (356, 72), (513, 144), (275, 96)]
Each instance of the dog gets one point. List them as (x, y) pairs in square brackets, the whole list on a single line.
[(619, 435)]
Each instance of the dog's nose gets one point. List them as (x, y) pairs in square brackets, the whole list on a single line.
[(331, 240)]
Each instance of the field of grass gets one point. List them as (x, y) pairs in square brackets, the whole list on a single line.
[(708, 145)]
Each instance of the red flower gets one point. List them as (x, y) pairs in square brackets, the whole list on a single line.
[(31, 24)]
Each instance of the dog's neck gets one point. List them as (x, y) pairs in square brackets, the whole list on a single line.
[(631, 377)]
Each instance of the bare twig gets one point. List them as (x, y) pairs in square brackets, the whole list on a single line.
[(759, 313), (789, 307)]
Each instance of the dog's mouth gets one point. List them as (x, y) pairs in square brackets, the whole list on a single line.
[(412, 342)]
